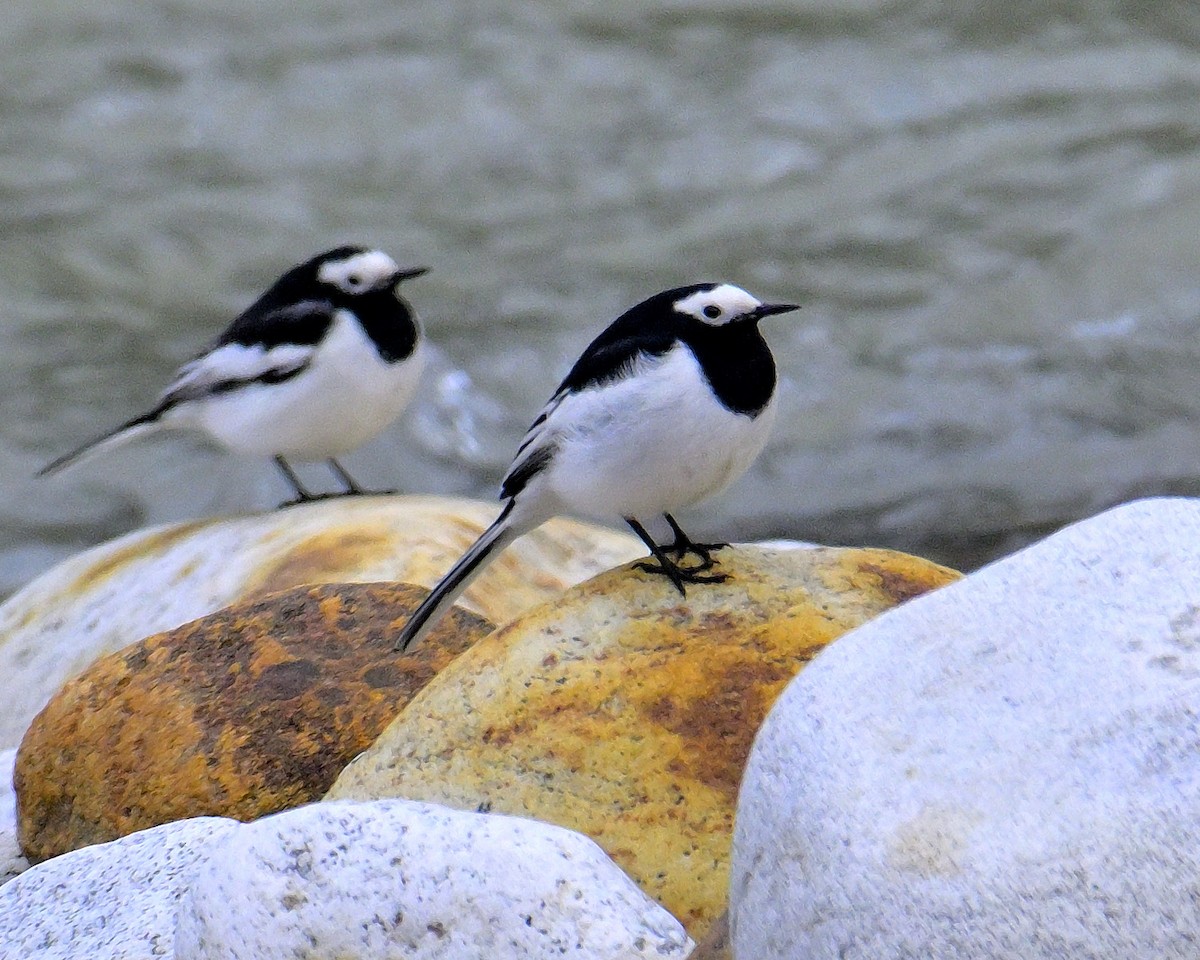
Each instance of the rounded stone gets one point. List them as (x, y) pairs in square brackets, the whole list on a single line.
[(626, 712), (250, 710), (395, 880), (1005, 768)]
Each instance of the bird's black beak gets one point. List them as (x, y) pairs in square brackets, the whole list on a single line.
[(401, 275), (769, 309)]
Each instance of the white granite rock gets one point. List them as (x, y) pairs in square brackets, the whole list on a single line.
[(11, 861), (156, 579), (396, 879), (1006, 768), (112, 901)]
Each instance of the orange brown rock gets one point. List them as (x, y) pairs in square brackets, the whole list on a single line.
[(626, 712), (250, 710)]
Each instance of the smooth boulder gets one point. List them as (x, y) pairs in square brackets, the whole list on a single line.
[(1005, 768), (395, 880)]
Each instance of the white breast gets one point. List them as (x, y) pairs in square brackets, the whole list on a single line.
[(345, 396), (656, 441)]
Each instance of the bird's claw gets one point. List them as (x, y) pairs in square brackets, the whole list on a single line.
[(680, 575)]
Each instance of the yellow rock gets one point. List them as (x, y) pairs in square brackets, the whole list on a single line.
[(626, 712), (154, 580)]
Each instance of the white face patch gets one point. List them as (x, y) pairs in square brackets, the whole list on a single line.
[(360, 272), (720, 305)]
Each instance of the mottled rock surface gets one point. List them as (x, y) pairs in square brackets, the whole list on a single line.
[(395, 880), (626, 712), (113, 901), (250, 710), (155, 580), (1005, 768)]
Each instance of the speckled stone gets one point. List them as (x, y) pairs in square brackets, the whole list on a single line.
[(157, 579), (253, 709), (396, 880), (113, 901), (626, 712)]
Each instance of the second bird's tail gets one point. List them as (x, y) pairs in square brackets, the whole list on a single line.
[(118, 435), (472, 563)]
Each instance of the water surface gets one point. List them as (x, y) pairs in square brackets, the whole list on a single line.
[(989, 212)]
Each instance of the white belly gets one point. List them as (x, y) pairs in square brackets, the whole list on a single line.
[(345, 397), (651, 444)]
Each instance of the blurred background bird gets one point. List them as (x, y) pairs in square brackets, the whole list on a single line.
[(315, 367)]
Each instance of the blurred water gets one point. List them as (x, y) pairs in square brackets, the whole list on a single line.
[(989, 212)]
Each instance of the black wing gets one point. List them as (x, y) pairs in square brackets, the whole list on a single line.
[(259, 349), (302, 322), (610, 357)]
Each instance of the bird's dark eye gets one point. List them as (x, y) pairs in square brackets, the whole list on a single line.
[(354, 280), (712, 311)]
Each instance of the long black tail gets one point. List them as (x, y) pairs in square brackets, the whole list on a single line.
[(126, 431), (472, 563)]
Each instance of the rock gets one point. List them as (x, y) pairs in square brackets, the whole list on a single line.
[(157, 579), (1006, 768), (626, 712), (114, 901), (396, 880), (715, 945), (250, 710), (11, 860)]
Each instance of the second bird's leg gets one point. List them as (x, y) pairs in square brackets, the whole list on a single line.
[(351, 488), (684, 545), (666, 566), (303, 494)]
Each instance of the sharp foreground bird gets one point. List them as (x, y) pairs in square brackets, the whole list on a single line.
[(666, 407)]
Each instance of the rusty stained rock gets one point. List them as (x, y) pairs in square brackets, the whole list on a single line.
[(626, 712), (249, 710)]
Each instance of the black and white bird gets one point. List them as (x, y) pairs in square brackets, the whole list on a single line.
[(318, 365), (667, 406)]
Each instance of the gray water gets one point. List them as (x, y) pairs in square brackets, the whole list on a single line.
[(989, 211)]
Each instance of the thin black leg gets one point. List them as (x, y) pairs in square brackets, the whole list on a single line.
[(684, 545), (303, 495), (351, 488)]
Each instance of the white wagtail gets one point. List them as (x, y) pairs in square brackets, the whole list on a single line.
[(319, 364), (667, 406)]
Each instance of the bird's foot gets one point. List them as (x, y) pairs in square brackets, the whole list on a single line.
[(683, 545), (303, 498), (680, 575), (704, 551), (357, 491), (333, 495), (350, 487)]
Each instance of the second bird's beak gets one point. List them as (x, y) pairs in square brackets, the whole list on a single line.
[(767, 309), (401, 275)]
